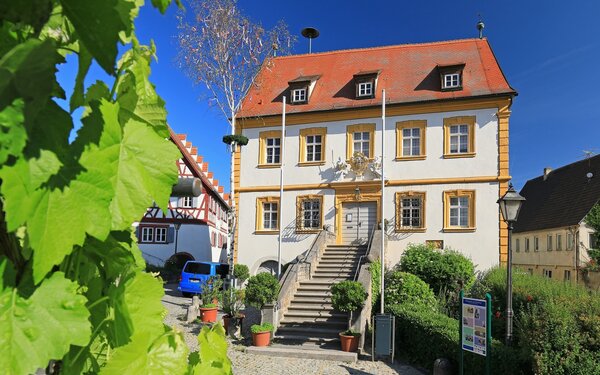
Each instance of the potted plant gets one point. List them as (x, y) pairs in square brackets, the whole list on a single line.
[(232, 302), (261, 289), (261, 334), (348, 296), (241, 274), (209, 295)]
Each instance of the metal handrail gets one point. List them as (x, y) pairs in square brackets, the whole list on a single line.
[(366, 253)]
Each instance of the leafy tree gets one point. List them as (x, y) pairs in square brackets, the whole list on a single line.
[(222, 49), (593, 220), (72, 282)]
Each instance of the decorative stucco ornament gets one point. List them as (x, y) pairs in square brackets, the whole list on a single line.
[(359, 164), (341, 169), (375, 167)]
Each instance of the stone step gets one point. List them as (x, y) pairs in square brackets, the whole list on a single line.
[(343, 252), (327, 267), (314, 283), (333, 279), (336, 246), (311, 306), (307, 313), (336, 261), (331, 321), (312, 299), (310, 330), (295, 352), (313, 294), (334, 274)]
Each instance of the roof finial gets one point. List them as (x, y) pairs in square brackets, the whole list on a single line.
[(480, 27)]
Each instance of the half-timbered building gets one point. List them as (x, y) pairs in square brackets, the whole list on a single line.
[(192, 228)]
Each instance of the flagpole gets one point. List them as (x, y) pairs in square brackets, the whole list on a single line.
[(382, 199), (281, 160)]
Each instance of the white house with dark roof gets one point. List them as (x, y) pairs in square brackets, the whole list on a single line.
[(192, 228), (551, 237)]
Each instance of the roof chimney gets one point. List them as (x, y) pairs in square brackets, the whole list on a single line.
[(547, 171)]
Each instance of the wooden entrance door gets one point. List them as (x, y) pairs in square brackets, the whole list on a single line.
[(358, 220)]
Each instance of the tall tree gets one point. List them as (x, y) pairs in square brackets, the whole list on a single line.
[(222, 49)]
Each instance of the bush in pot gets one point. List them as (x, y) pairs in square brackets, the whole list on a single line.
[(232, 302), (261, 334), (348, 296), (241, 273), (210, 294), (261, 289)]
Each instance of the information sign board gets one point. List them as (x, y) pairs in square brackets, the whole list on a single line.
[(474, 325)]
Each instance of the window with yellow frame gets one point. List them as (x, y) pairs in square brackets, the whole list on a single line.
[(312, 146), (459, 210), (410, 140), (360, 138), (459, 137), (269, 149), (309, 213), (410, 211), (267, 215)]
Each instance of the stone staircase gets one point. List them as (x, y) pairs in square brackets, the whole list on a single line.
[(310, 316)]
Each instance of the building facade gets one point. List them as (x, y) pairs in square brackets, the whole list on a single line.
[(446, 157), (551, 237), (192, 228)]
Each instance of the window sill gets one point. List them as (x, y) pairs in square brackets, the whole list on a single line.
[(459, 230), (307, 231), (406, 158), (268, 166), (276, 231), (411, 230), (461, 155), (310, 163)]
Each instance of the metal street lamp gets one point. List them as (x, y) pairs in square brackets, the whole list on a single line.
[(177, 226), (510, 205)]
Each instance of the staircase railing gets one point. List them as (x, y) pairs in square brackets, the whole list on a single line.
[(361, 319), (301, 269)]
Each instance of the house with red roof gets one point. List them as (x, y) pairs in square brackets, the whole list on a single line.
[(194, 227), (446, 155)]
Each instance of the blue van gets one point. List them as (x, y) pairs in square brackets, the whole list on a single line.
[(195, 274)]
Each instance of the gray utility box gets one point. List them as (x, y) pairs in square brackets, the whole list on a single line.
[(384, 332)]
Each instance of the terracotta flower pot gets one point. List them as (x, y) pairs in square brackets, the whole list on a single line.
[(261, 338), (349, 343), (226, 320), (208, 314)]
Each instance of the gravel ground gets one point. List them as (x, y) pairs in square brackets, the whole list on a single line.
[(250, 364)]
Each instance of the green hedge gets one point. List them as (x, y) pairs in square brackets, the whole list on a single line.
[(557, 325), (423, 335), (402, 288)]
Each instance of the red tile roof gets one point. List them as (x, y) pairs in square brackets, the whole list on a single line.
[(409, 73)]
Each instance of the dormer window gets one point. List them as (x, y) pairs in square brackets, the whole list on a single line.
[(451, 76), (365, 84), (451, 80), (365, 89), (299, 95), (301, 88)]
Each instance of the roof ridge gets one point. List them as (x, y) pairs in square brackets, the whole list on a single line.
[(567, 165), (391, 46)]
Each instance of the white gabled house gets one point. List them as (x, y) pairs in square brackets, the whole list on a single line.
[(193, 228), (446, 161)]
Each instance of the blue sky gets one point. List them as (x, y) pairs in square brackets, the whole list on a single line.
[(549, 52)]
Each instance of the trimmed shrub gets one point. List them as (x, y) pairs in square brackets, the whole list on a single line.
[(402, 288), (441, 269), (348, 296), (261, 290), (423, 335), (241, 273)]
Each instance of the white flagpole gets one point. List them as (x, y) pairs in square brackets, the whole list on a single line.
[(281, 160), (382, 198)]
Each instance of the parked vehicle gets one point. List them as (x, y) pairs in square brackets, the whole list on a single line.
[(196, 274)]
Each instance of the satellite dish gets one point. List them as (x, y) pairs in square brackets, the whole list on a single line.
[(310, 33)]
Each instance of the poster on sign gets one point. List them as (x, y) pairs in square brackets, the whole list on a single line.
[(473, 325)]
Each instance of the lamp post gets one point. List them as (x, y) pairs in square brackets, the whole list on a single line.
[(177, 226), (510, 205)]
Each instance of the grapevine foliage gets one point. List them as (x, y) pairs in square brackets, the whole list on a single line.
[(72, 282)]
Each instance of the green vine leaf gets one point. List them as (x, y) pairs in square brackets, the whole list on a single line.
[(98, 24), (12, 132), (212, 357), (146, 354), (137, 306), (43, 327)]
